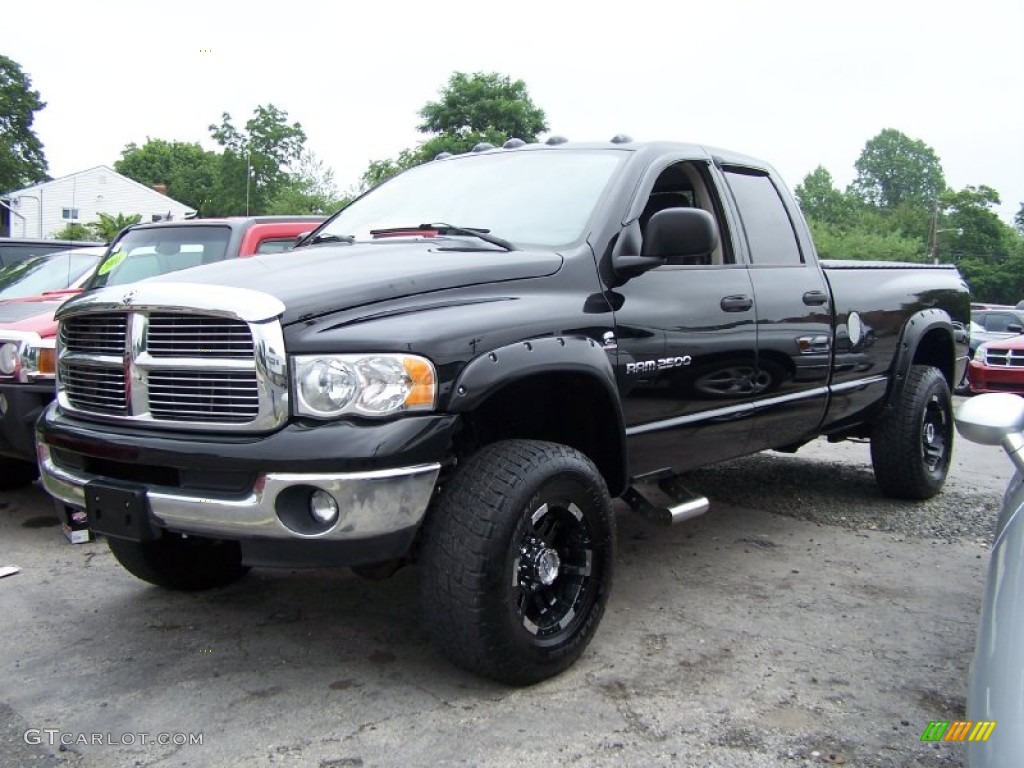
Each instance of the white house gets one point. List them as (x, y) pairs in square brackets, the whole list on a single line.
[(43, 209)]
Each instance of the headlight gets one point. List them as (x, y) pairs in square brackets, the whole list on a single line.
[(26, 357), (979, 353), (8, 358), (327, 386)]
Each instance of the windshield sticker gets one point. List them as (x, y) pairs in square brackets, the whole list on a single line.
[(115, 258)]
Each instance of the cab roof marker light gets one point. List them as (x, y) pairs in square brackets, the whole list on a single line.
[(513, 144), (555, 140), (621, 138), (483, 146)]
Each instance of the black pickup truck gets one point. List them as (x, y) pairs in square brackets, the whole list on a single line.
[(465, 365)]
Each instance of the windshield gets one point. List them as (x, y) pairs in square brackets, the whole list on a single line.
[(52, 272), (149, 252), (539, 197)]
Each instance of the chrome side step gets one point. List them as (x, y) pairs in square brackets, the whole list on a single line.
[(680, 503)]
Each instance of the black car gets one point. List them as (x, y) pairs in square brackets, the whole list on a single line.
[(13, 249)]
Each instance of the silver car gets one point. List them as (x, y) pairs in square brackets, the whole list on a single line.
[(995, 691)]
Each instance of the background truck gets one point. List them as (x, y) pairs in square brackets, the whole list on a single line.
[(465, 365), (28, 329)]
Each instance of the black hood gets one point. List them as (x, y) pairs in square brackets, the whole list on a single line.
[(320, 279)]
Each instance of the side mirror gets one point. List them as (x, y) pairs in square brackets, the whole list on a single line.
[(996, 418), (1015, 328), (679, 235), (300, 237)]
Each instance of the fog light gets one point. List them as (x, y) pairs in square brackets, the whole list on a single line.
[(323, 507)]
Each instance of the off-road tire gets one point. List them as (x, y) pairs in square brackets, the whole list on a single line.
[(15, 473), (176, 562), (487, 550), (912, 443)]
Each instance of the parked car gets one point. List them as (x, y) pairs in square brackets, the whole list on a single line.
[(996, 676), (998, 366), (976, 336), (1006, 320), (468, 361), (28, 329), (13, 250), (55, 271)]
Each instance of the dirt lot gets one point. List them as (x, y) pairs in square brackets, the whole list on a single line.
[(804, 620)]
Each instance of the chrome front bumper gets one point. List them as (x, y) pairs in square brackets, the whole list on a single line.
[(371, 504)]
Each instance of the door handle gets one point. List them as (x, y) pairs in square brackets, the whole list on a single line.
[(815, 298), (736, 303)]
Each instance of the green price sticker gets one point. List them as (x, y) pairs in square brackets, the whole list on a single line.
[(115, 258)]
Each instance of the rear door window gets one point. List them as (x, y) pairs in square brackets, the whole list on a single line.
[(771, 238)]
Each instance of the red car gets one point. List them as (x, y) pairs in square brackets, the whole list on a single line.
[(28, 330), (998, 366)]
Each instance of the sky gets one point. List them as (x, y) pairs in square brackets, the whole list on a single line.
[(798, 83)]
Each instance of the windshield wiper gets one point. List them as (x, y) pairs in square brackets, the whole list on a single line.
[(448, 229)]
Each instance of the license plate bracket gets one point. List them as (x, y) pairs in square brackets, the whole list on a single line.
[(119, 511)]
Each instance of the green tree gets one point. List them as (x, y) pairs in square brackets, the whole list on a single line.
[(106, 227), (255, 164), (189, 171), (970, 227), (864, 242), (1018, 220), (22, 162), (821, 201), (481, 107), (311, 189), (73, 231), (894, 169)]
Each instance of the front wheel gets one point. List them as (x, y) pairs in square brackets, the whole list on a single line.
[(181, 563), (517, 561), (912, 444)]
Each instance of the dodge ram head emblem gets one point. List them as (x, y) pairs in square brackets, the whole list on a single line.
[(129, 297)]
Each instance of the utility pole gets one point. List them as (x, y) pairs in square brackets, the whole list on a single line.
[(935, 233), (248, 173)]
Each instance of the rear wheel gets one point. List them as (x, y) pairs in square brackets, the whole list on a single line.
[(15, 473), (181, 563), (911, 444), (517, 561)]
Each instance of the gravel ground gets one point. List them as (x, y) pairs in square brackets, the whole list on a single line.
[(845, 495), (804, 621)]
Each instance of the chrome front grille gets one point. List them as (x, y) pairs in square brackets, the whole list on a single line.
[(95, 334), (223, 396), (92, 387), (172, 364), (1004, 358), (171, 335)]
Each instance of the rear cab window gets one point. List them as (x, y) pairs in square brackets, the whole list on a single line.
[(275, 245)]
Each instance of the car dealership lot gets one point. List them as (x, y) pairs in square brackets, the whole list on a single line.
[(803, 620)]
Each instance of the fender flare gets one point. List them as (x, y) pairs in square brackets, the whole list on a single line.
[(489, 372), (916, 327)]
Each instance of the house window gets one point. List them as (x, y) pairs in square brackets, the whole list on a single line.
[(70, 213)]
